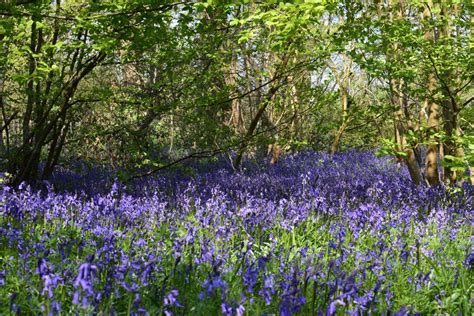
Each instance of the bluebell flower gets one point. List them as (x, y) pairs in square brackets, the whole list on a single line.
[(469, 260), (171, 299), (226, 309)]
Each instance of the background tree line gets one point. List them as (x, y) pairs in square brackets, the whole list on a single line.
[(142, 83)]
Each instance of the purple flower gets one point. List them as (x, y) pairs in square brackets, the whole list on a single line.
[(331, 310), (50, 282), (250, 278), (240, 310), (268, 289), (75, 298), (83, 282), (332, 245), (469, 261), (2, 277), (179, 231), (172, 299), (226, 309), (201, 296)]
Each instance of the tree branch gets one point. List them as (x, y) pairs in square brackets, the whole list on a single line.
[(445, 85)]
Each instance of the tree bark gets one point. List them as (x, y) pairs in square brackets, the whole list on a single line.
[(343, 81), (236, 114), (450, 107), (26, 166), (338, 136), (402, 123), (432, 172), (254, 122), (431, 160)]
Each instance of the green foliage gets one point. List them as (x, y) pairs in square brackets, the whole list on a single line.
[(389, 148), (138, 83), (462, 163)]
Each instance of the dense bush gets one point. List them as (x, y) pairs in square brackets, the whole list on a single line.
[(312, 234)]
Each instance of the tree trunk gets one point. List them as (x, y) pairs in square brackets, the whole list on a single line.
[(236, 114), (402, 122), (55, 150), (3, 121), (451, 145), (254, 122), (275, 151), (431, 161), (25, 167), (338, 136), (263, 104), (343, 81), (432, 172)]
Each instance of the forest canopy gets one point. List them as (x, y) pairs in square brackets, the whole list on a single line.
[(143, 85)]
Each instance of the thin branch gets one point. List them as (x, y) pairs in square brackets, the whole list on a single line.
[(445, 85), (214, 152), (468, 123), (468, 101), (85, 101), (8, 121), (465, 85)]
